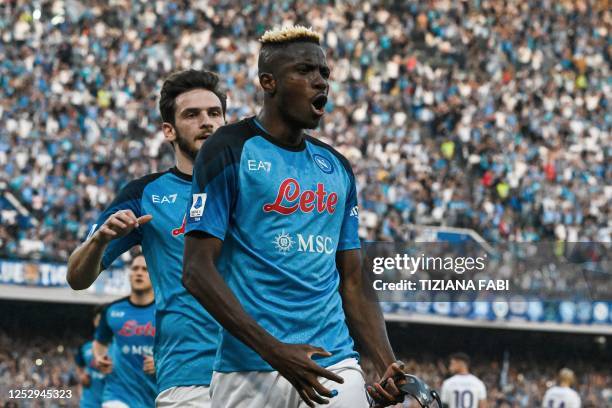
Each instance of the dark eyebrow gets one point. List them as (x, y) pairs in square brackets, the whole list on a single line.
[(190, 110), (308, 65), (312, 66)]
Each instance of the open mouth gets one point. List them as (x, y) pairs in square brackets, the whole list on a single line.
[(203, 137), (318, 104)]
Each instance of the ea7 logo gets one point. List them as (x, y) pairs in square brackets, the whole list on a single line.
[(256, 165), (354, 211), (163, 199)]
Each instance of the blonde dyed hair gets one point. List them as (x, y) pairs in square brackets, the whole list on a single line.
[(290, 34), (567, 376)]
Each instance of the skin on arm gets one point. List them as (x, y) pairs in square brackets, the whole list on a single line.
[(293, 361), (367, 325), (101, 359), (85, 263)]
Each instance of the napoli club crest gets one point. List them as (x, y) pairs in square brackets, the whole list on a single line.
[(324, 164)]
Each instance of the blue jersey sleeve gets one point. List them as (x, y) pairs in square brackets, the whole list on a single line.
[(78, 357), (104, 333), (349, 232), (129, 198), (214, 186)]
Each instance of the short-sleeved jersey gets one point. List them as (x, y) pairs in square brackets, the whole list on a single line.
[(186, 339), (91, 396), (463, 391), (130, 330), (561, 397), (283, 213)]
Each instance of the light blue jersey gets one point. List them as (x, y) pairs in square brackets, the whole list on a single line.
[(282, 213), (186, 339), (131, 329), (91, 396)]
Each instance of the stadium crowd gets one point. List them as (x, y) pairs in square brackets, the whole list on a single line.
[(524, 385), (36, 362), (480, 114)]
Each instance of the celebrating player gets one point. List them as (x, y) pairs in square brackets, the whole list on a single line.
[(562, 395), (463, 390), (276, 211), (150, 212), (91, 379), (130, 324)]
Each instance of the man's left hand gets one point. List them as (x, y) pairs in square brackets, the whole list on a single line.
[(385, 392)]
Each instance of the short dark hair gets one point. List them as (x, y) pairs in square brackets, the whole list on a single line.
[(184, 81), (461, 357)]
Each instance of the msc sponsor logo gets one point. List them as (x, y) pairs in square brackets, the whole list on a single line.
[(117, 313), (163, 199), (140, 350), (316, 244), (197, 205), (290, 198), (257, 165), (324, 164), (283, 242), (132, 328), (319, 244)]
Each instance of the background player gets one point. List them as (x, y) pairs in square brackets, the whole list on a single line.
[(562, 395), (463, 390), (91, 379), (150, 211), (130, 324), (276, 210)]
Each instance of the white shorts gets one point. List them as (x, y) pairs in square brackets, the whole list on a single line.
[(115, 404), (269, 389), (192, 396)]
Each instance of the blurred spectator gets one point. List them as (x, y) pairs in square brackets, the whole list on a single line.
[(47, 362), (486, 115), (526, 382), (38, 363)]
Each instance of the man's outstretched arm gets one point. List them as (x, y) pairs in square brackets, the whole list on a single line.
[(85, 263), (293, 361), (366, 323)]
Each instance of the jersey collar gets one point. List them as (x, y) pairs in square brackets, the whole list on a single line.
[(174, 170), (254, 123)]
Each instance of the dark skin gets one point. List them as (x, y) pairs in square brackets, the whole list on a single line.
[(299, 75)]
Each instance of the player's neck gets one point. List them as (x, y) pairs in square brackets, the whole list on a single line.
[(184, 163), (279, 129), (142, 298)]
